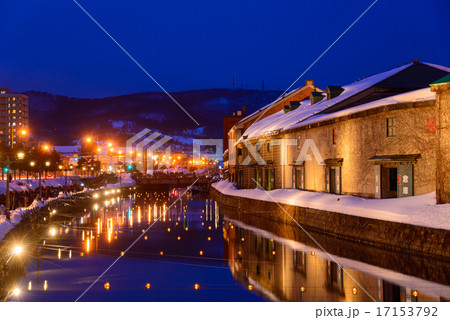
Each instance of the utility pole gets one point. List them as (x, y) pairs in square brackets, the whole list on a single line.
[(7, 164)]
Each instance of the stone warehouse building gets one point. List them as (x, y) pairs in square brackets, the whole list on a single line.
[(381, 137)]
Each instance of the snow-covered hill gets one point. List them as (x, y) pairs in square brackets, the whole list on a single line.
[(61, 119)]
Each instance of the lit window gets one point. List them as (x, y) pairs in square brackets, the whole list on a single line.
[(391, 127), (298, 142), (334, 136)]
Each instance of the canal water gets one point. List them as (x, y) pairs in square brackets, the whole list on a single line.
[(141, 245)]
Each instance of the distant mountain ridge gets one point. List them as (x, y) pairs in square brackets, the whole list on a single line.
[(61, 119)]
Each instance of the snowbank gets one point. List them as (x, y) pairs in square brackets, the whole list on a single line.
[(201, 171), (125, 180), (418, 210), (33, 184), (18, 214)]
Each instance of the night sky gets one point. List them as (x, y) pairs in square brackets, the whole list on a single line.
[(53, 46)]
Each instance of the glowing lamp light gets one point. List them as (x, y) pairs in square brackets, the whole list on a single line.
[(209, 238), (20, 155), (148, 286), (354, 291), (415, 294), (52, 232), (16, 292), (251, 287), (107, 286), (242, 239), (17, 250), (302, 289), (273, 252), (23, 132), (122, 253), (178, 238), (313, 253), (161, 253), (88, 139), (196, 286), (47, 163), (201, 252)]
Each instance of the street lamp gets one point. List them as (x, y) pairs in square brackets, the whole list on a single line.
[(20, 155)]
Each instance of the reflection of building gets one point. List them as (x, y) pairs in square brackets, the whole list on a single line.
[(13, 116), (286, 270), (373, 138)]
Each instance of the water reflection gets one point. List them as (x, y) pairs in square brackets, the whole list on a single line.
[(177, 251), (189, 251), (284, 269)]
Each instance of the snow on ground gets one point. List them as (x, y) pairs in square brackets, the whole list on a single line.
[(32, 184), (126, 180), (418, 210)]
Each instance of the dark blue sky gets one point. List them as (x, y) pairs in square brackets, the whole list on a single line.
[(53, 46)]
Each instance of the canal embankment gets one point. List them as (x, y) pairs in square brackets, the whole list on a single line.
[(390, 224)]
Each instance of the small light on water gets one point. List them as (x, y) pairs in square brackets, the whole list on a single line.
[(107, 286), (45, 285), (196, 286), (148, 286), (201, 252), (30, 285), (251, 287), (209, 238)]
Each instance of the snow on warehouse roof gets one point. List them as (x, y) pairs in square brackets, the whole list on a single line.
[(283, 121), (268, 105), (412, 96)]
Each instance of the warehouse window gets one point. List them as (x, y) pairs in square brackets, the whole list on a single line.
[(391, 127)]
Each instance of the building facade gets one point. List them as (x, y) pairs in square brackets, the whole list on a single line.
[(14, 117), (377, 138)]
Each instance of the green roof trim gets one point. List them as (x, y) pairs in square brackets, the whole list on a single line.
[(445, 79)]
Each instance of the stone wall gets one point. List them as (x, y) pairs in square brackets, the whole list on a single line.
[(383, 234), (360, 137)]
